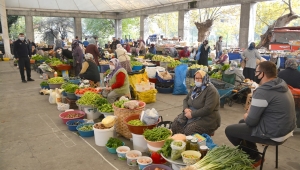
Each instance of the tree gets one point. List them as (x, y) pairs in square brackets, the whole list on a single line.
[(17, 27), (51, 27), (11, 19), (287, 15), (102, 28), (166, 24), (208, 16), (131, 27)]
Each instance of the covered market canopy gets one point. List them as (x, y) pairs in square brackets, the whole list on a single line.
[(89, 5)]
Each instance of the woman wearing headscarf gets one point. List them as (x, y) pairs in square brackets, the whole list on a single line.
[(249, 56), (117, 81), (77, 57), (224, 58), (200, 108), (124, 59), (202, 54), (93, 49), (152, 49), (142, 48), (234, 70), (89, 69), (291, 75), (185, 53)]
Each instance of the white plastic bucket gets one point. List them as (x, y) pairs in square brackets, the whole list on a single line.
[(103, 135), (139, 143), (91, 113)]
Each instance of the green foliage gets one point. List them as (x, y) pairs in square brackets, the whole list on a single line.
[(11, 19), (17, 27), (267, 12), (131, 26), (166, 24), (102, 28)]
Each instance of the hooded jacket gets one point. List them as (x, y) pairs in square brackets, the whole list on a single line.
[(272, 112)]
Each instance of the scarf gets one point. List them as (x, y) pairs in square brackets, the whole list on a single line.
[(92, 41), (251, 46), (205, 82), (117, 65), (291, 63)]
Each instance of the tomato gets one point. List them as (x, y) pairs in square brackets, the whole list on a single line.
[(157, 158)]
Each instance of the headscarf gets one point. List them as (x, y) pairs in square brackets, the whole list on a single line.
[(88, 56), (119, 46), (225, 51), (251, 46), (92, 41), (291, 63), (205, 82), (118, 66), (75, 44), (233, 65)]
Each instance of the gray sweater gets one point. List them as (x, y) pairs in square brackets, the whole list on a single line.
[(272, 112), (206, 106), (251, 55)]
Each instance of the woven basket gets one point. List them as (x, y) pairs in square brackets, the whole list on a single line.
[(121, 114)]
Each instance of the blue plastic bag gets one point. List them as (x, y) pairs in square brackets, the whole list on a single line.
[(198, 53), (179, 81), (209, 142)]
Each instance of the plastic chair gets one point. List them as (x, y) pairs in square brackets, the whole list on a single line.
[(229, 78)]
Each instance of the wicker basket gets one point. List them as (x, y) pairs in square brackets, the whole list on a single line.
[(121, 114)]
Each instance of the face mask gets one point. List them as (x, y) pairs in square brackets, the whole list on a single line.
[(111, 67), (257, 80), (22, 38), (198, 84)]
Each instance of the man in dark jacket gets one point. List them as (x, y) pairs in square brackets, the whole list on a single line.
[(271, 117), (22, 54), (291, 75)]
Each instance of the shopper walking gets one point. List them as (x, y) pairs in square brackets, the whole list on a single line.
[(219, 47), (77, 57), (249, 56), (202, 55), (22, 53)]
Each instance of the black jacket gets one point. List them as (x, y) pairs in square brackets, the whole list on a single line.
[(291, 77), (21, 49)]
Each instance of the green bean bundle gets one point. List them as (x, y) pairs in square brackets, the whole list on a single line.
[(157, 134)]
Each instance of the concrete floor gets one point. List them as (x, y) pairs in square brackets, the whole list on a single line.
[(33, 137)]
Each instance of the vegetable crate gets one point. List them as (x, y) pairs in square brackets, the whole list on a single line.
[(72, 103)]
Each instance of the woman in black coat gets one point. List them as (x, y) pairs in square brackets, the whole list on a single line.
[(291, 75)]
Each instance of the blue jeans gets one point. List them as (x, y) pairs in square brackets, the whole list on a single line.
[(218, 54)]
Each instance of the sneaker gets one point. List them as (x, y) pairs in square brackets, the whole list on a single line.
[(24, 81), (258, 161), (30, 79)]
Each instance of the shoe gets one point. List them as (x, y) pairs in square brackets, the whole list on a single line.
[(258, 161), (30, 79), (24, 81)]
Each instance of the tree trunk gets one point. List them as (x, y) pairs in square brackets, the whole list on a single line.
[(282, 21), (204, 29)]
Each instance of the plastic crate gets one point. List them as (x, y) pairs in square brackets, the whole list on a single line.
[(104, 68), (159, 79)]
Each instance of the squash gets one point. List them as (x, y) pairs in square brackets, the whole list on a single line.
[(109, 121), (179, 136)]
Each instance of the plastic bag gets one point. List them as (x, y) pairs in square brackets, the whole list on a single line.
[(151, 71), (179, 81), (150, 117), (131, 104), (62, 107), (209, 142), (148, 96), (52, 97), (178, 147)]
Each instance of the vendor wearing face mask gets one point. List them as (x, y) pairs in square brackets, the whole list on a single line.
[(117, 81), (22, 53), (200, 108)]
